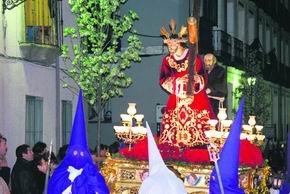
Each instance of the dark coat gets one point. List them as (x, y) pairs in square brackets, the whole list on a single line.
[(217, 82), (23, 179), (5, 174), (40, 180)]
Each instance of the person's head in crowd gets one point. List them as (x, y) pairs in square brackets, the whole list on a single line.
[(114, 147), (39, 148), (40, 161), (103, 150), (24, 152), (3, 146), (61, 152), (53, 160), (209, 61)]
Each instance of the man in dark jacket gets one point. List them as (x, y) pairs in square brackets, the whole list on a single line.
[(217, 82), (4, 169), (22, 178)]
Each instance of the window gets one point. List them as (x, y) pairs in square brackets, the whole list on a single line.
[(210, 11), (267, 38), (282, 51), (33, 120), (287, 54), (66, 120), (251, 27), (39, 26)]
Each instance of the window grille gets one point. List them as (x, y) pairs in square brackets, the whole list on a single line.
[(33, 120)]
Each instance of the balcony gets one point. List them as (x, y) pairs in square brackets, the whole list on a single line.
[(40, 39), (222, 45), (238, 52), (276, 10), (259, 55), (285, 78), (287, 73)]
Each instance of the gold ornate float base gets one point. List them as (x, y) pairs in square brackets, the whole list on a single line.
[(125, 176)]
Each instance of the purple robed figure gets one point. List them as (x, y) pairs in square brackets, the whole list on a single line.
[(286, 186), (229, 160), (77, 173)]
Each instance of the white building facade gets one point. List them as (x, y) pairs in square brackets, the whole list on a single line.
[(28, 87), (245, 20), (33, 105)]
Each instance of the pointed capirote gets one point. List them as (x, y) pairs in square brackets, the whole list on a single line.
[(77, 173), (229, 159), (161, 180)]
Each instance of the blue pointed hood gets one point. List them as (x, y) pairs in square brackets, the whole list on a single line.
[(78, 134), (79, 158), (286, 185), (229, 159), (288, 157)]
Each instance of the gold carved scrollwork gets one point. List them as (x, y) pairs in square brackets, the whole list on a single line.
[(127, 190), (178, 66), (206, 180), (127, 175), (130, 184)]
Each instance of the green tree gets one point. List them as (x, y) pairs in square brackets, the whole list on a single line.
[(253, 87), (96, 64)]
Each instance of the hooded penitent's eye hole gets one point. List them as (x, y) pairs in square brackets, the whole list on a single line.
[(82, 153), (75, 153)]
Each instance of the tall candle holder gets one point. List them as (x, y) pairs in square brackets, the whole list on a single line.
[(132, 130)]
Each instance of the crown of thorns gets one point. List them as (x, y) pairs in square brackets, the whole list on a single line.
[(172, 34)]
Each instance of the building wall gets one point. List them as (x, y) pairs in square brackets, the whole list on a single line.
[(19, 78), (12, 31)]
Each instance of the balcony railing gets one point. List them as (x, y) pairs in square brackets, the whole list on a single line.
[(40, 26), (232, 51), (285, 72), (222, 44), (238, 51), (40, 42), (44, 35)]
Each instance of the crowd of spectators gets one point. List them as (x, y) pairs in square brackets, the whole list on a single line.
[(34, 165)]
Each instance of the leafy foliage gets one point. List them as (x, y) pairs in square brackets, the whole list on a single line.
[(254, 89), (97, 66)]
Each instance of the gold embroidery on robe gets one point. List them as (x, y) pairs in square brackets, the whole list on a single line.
[(184, 126), (178, 66)]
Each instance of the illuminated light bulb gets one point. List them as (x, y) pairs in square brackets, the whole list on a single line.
[(125, 117), (259, 127), (227, 123), (131, 109), (139, 117), (212, 123), (247, 128), (252, 120), (222, 115)]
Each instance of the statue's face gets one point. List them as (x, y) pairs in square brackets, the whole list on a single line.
[(172, 45), (209, 61)]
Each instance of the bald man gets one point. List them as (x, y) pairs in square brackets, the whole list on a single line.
[(217, 82)]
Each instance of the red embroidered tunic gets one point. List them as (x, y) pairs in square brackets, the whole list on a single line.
[(185, 117)]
